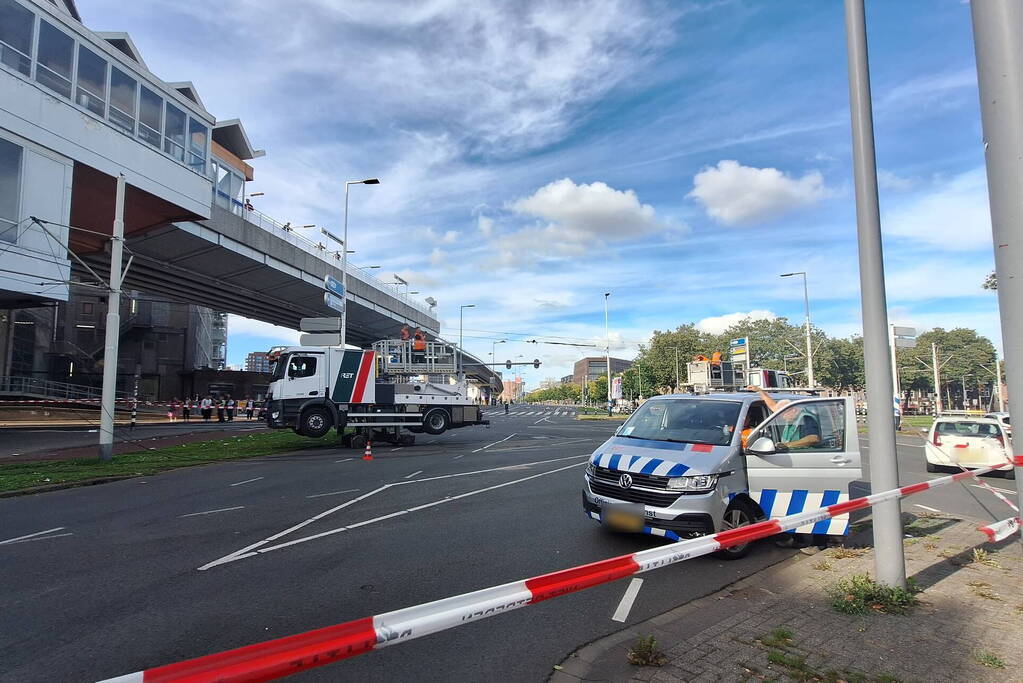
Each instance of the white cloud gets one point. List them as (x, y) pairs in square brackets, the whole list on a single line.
[(952, 215), (450, 237), (887, 180), (595, 209), (237, 325), (485, 225), (735, 194), (437, 257), (719, 323)]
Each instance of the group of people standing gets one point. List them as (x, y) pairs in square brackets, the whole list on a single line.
[(225, 406)]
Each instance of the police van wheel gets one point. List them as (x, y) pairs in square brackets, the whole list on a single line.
[(436, 422), (931, 467), (315, 422), (736, 515)]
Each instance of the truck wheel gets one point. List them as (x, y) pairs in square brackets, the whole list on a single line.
[(315, 422), (736, 515), (358, 441), (436, 422), (1009, 474), (407, 440)]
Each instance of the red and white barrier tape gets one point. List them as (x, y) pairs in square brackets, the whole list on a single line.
[(999, 531), (285, 656)]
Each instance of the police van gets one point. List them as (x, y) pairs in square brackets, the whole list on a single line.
[(686, 465)]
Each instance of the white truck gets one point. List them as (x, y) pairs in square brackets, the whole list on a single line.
[(398, 385)]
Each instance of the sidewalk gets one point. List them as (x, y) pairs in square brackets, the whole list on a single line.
[(778, 625)]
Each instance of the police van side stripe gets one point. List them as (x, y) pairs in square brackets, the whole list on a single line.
[(613, 462), (798, 502), (767, 497), (830, 498), (650, 466)]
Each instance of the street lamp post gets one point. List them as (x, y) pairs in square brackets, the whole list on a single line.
[(461, 310), (493, 350), (607, 353), (809, 347), (344, 259)]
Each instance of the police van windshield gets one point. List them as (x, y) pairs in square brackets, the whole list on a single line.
[(684, 421)]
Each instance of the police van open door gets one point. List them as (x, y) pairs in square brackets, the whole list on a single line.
[(804, 457)]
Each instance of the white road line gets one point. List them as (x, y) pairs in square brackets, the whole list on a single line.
[(911, 445), (978, 486), (38, 538), (927, 508), (493, 444), (542, 419), (397, 449), (409, 476), (625, 606), (332, 493), (345, 460), (210, 512), (38, 533), (458, 457), (247, 481), (399, 513)]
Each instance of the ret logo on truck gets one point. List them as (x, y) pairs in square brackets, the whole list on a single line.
[(625, 481)]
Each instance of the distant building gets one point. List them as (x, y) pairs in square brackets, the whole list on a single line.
[(257, 361), (514, 389), (549, 383), (589, 369), (567, 379)]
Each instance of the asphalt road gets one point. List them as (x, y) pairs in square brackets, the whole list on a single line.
[(153, 570)]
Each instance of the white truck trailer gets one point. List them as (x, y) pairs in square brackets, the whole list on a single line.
[(398, 385)]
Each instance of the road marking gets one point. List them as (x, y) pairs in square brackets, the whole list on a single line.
[(399, 513), (978, 486), (345, 460), (927, 508), (247, 481), (38, 533), (332, 493), (458, 457), (625, 606), (210, 512), (409, 476), (543, 419), (911, 445), (247, 550), (493, 444), (397, 449)]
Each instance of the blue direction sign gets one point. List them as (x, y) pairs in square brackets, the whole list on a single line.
[(335, 302), (334, 286)]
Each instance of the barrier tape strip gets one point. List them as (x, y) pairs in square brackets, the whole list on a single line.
[(292, 654), (999, 531), (983, 484)]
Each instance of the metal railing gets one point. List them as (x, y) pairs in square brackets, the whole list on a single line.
[(288, 233), (31, 386)]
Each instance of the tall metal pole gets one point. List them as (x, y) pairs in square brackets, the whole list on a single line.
[(809, 345), (998, 41), (889, 555), (998, 383), (113, 331), (344, 274), (937, 379), (607, 353), (676, 369), (895, 364), (461, 309)]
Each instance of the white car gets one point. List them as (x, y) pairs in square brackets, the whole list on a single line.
[(967, 442), (1003, 419)]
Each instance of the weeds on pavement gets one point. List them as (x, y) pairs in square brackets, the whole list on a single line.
[(990, 659), (859, 594), (981, 556), (843, 553), (983, 590), (646, 653), (823, 565)]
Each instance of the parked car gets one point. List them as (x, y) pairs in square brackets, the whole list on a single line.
[(1003, 419), (968, 442)]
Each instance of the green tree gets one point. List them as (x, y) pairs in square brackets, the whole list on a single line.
[(658, 359), (843, 366), (967, 352)]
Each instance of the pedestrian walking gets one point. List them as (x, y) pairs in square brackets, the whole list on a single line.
[(207, 408), (230, 408), (506, 407), (172, 409), (220, 409), (250, 408), (186, 409)]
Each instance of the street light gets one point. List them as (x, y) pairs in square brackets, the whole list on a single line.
[(461, 310), (809, 349), (367, 267), (344, 258), (493, 350), (607, 353)]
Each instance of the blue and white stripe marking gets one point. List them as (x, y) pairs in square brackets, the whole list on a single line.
[(639, 464), (651, 530), (776, 503)]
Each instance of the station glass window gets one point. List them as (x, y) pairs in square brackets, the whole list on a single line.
[(10, 190), (197, 146), (123, 89), (174, 132), (16, 27), (54, 58), (150, 112), (92, 81)]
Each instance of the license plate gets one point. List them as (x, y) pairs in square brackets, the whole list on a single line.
[(624, 517)]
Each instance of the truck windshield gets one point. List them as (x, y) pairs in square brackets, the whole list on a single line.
[(684, 421), (279, 367)]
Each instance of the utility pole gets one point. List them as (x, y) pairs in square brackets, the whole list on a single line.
[(936, 369), (607, 353), (998, 41), (113, 331), (676, 370), (895, 361), (135, 397), (889, 556), (998, 383)]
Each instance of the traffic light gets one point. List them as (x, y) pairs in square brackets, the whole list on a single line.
[(536, 362), (507, 364)]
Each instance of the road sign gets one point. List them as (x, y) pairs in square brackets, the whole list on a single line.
[(904, 331), (905, 343), (320, 324), (334, 286), (741, 341), (337, 303)]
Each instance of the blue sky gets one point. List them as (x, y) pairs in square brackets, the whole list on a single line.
[(533, 155)]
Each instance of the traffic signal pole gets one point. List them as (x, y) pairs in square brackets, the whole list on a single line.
[(113, 329), (998, 42), (889, 555)]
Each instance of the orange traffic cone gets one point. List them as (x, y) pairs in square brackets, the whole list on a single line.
[(368, 455)]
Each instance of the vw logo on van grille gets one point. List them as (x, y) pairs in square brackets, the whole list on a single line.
[(625, 481)]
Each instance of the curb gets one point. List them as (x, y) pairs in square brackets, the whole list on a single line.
[(46, 488)]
